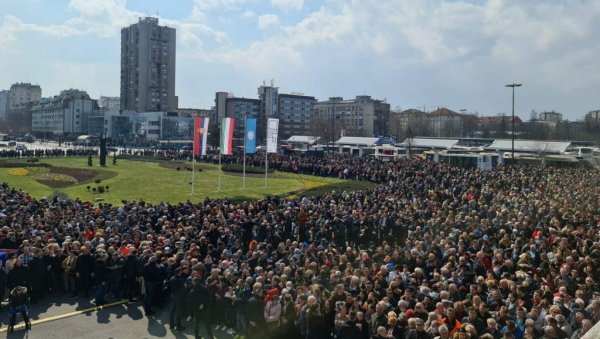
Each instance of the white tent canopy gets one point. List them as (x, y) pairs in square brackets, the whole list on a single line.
[(303, 139), (357, 141), (529, 146), (432, 143)]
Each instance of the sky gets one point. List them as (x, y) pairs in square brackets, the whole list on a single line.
[(412, 53)]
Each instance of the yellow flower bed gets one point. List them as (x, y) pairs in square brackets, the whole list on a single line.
[(312, 184), (18, 172)]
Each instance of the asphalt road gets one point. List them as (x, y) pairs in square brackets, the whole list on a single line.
[(64, 319)]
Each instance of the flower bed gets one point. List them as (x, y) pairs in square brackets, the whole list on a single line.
[(58, 177), (18, 172)]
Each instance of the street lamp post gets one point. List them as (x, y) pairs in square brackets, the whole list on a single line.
[(513, 85), (333, 116)]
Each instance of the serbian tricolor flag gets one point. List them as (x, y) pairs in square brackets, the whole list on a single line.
[(227, 136), (200, 135)]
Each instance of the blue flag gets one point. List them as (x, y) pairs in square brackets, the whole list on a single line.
[(250, 135)]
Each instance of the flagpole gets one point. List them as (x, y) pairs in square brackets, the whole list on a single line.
[(245, 137), (266, 165), (193, 171), (220, 170)]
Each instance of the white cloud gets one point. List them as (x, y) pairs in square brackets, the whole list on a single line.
[(201, 8), (288, 5), (446, 52), (268, 21), (248, 14)]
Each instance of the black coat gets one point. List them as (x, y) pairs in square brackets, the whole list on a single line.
[(101, 271), (85, 264), (150, 273), (198, 295), (178, 290), (18, 276), (131, 267)]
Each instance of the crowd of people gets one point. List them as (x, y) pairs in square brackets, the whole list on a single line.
[(434, 251), (46, 153)]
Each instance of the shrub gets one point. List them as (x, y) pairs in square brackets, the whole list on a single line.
[(101, 189), (15, 164), (240, 169), (97, 181), (88, 187), (179, 168), (107, 187), (94, 190), (32, 160), (60, 195)]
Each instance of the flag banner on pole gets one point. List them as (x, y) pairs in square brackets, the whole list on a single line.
[(200, 135), (250, 135), (227, 136), (272, 132)]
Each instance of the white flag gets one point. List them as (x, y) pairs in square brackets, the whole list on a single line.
[(272, 131)]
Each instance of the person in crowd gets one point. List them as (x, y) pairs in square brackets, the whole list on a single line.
[(201, 304), (101, 277), (84, 271), (178, 296)]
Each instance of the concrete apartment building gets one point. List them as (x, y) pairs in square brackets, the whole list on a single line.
[(227, 105), (21, 93), (550, 117), (360, 117), (295, 114), (3, 104), (109, 104), (21, 98), (148, 67), (67, 113), (592, 117)]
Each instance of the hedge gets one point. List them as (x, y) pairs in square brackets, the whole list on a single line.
[(13, 164), (240, 169)]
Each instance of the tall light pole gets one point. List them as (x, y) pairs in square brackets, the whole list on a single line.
[(332, 127), (513, 85)]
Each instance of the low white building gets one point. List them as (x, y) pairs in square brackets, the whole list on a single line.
[(355, 145)]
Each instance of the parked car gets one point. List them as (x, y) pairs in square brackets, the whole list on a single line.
[(21, 147)]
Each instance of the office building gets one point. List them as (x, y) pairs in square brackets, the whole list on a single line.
[(295, 114), (361, 117), (148, 67), (66, 113)]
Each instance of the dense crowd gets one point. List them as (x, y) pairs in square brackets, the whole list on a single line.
[(434, 252), (47, 153)]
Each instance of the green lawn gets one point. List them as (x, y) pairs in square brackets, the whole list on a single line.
[(136, 180)]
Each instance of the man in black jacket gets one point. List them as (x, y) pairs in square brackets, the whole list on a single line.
[(101, 277), (18, 276), (130, 274), (178, 294), (200, 301), (255, 312), (84, 271), (150, 274)]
